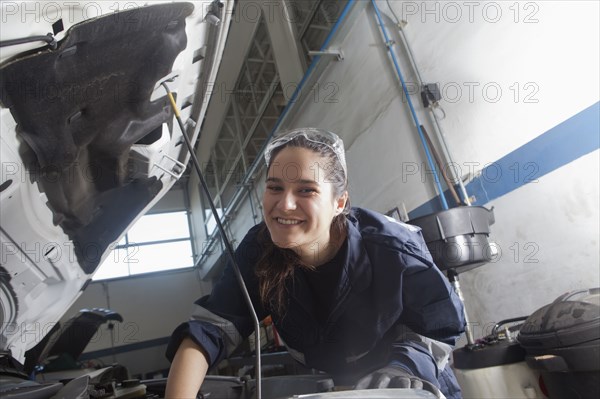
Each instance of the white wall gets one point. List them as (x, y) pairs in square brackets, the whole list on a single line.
[(548, 236)]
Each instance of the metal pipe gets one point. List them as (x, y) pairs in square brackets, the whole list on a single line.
[(388, 44), (440, 165), (49, 39), (457, 179), (226, 241), (411, 57), (437, 128), (453, 277)]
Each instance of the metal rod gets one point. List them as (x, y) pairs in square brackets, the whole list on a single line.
[(437, 128), (440, 135), (227, 243), (453, 277), (49, 39), (410, 105), (440, 165)]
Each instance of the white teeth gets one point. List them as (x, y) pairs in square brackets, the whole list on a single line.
[(287, 221)]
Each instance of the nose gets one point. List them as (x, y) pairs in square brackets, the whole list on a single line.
[(287, 201)]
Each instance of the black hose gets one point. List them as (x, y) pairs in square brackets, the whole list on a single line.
[(49, 38), (507, 321)]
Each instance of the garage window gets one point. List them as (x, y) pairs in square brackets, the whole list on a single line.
[(157, 242)]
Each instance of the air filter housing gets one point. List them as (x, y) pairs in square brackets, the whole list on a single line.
[(458, 238)]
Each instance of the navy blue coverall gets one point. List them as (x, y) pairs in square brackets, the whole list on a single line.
[(391, 304)]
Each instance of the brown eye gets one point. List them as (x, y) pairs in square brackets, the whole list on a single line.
[(307, 190)]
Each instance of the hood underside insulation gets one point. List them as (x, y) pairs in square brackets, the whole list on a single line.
[(81, 107)]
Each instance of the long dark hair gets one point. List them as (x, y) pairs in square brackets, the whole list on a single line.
[(277, 265)]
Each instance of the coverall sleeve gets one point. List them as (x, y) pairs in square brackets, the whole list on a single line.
[(430, 305), (432, 317), (220, 321)]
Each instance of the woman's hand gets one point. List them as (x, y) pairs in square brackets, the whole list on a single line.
[(187, 371), (393, 376)]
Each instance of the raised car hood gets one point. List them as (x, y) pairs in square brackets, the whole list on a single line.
[(81, 107), (88, 143)]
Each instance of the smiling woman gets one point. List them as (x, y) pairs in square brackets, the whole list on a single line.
[(351, 292), (299, 208), (304, 206)]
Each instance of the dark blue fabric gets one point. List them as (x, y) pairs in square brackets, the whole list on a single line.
[(414, 358), (388, 280), (449, 385)]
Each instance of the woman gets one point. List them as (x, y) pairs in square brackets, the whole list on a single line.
[(351, 292)]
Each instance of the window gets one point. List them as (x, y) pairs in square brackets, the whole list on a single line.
[(154, 243), (210, 222)]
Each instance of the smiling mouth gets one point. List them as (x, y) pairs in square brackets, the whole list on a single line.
[(288, 221)]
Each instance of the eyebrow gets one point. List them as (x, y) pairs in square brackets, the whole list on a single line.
[(301, 181)]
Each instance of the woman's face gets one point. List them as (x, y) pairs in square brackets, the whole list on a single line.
[(299, 204)]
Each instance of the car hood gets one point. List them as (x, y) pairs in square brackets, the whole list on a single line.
[(88, 140)]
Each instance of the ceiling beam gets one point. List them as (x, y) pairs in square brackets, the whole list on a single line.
[(284, 41), (236, 49)]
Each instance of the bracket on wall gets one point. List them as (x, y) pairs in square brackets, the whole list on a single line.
[(327, 53)]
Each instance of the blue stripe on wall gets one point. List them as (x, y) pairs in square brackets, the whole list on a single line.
[(124, 348), (564, 143)]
